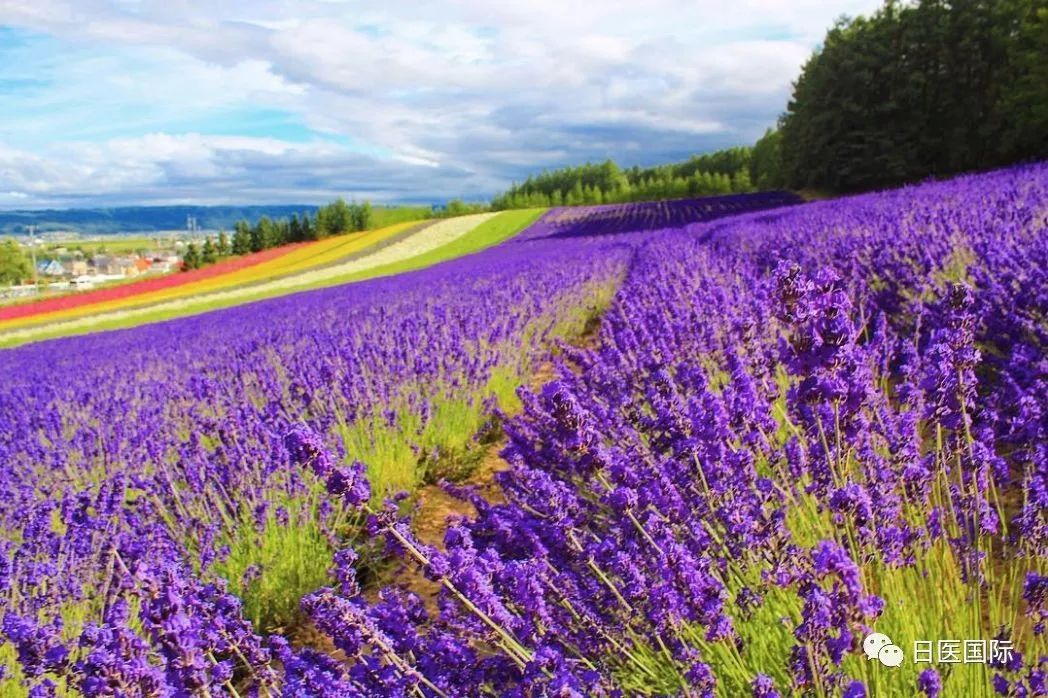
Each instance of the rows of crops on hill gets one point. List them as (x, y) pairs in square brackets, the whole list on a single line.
[(653, 215), (276, 263), (797, 427), (794, 426), (160, 451), (327, 262)]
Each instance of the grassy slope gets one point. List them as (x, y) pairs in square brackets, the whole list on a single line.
[(492, 232), (117, 245), (498, 229), (381, 217)]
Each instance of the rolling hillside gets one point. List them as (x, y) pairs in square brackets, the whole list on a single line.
[(289, 269)]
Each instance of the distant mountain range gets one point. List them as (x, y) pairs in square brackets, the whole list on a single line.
[(133, 219)]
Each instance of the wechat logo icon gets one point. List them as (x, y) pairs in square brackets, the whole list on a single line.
[(879, 646)]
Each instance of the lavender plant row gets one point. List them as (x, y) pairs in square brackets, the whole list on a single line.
[(153, 516), (798, 427)]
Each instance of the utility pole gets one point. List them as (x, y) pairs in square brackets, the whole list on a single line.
[(32, 252)]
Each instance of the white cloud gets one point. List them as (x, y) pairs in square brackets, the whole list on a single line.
[(163, 169), (473, 93)]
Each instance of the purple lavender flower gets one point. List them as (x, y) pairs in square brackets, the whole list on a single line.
[(930, 683), (764, 687), (855, 689), (1035, 594), (307, 450), (750, 377), (350, 484), (39, 646)]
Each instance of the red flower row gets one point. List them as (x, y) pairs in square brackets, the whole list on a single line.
[(157, 283)]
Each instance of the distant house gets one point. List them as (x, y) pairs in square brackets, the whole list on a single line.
[(126, 266), (164, 261), (111, 265), (75, 267), (105, 264), (51, 267)]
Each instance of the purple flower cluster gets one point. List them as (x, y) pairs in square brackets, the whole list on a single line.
[(133, 461), (778, 407), (349, 484), (764, 421)]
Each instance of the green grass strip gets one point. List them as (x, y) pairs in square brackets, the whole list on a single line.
[(487, 234)]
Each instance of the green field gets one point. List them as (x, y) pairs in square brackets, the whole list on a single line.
[(382, 216), (115, 245), (498, 229)]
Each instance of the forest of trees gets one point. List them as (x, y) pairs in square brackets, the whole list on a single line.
[(722, 172), (919, 89), (334, 219), (929, 88)]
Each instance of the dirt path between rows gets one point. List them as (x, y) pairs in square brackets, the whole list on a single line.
[(434, 506), (433, 509)]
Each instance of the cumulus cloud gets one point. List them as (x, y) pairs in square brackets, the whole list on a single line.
[(164, 169), (173, 100)]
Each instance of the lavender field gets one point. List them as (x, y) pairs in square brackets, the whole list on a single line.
[(772, 429)]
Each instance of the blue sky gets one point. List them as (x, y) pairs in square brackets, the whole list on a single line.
[(106, 102)]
